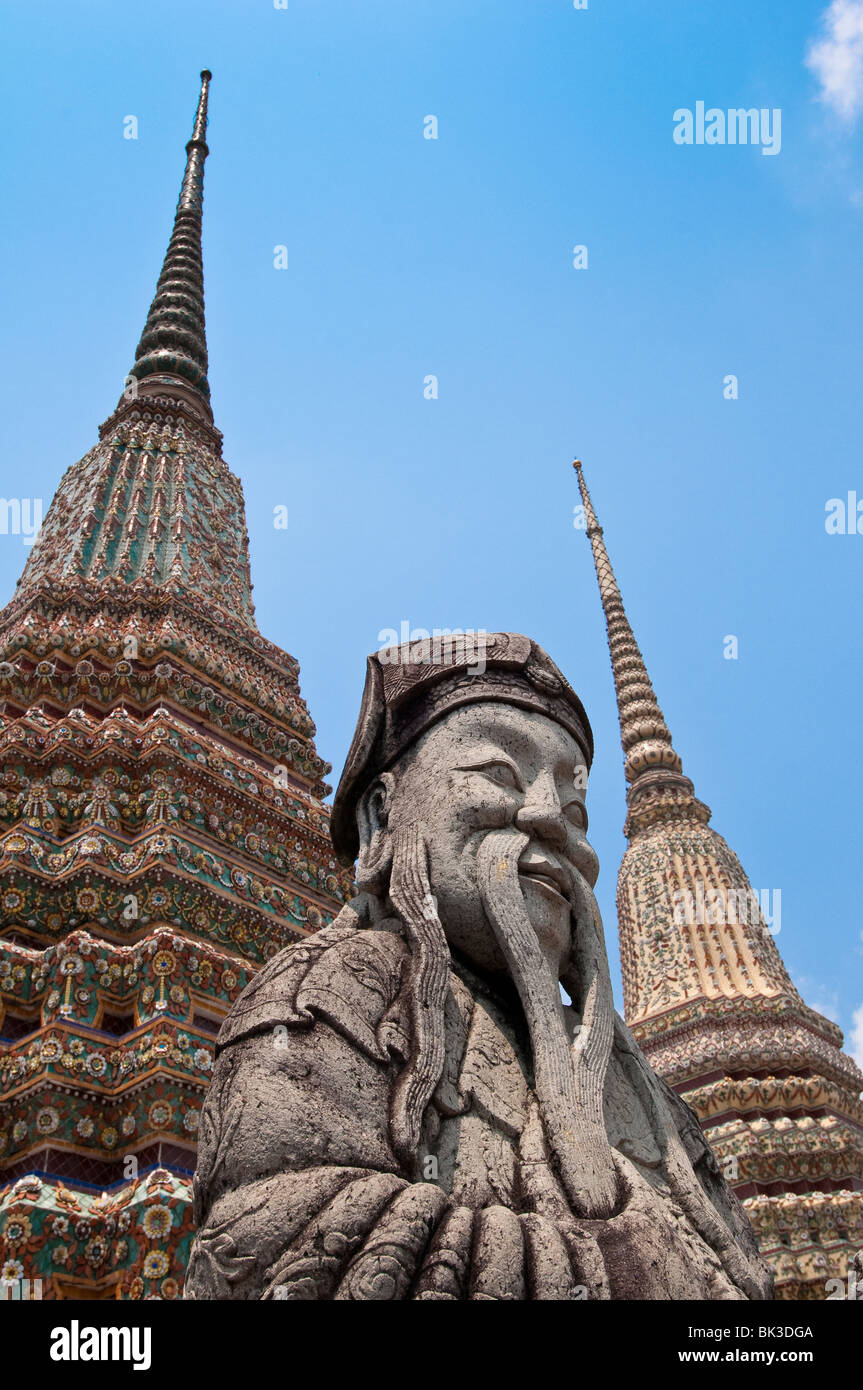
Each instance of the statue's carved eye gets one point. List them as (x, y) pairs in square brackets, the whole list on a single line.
[(501, 773)]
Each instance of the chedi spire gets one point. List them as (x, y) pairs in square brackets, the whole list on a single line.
[(162, 825), (652, 766), (154, 507), (709, 1000), (171, 358)]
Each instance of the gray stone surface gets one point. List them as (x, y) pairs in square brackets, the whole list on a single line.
[(403, 1107)]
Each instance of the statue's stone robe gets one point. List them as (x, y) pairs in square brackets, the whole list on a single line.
[(300, 1194)]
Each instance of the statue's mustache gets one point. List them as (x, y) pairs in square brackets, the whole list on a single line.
[(536, 862)]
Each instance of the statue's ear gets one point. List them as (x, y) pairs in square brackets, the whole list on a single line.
[(376, 853)]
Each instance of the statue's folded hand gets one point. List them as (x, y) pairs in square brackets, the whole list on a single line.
[(393, 1253), (368, 1242), (382, 1238)]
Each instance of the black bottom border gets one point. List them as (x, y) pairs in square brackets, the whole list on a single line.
[(647, 1339)]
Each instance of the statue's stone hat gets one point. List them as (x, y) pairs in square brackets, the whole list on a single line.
[(410, 687)]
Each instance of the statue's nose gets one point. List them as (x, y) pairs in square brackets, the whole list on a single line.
[(541, 814)]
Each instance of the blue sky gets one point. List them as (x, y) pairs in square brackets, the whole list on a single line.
[(453, 257)]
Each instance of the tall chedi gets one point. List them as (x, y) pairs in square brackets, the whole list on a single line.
[(708, 997), (162, 831)]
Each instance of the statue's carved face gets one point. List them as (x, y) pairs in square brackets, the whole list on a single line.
[(493, 766)]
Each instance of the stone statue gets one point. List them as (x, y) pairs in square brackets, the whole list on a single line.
[(403, 1106)]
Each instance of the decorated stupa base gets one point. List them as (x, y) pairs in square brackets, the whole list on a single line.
[(130, 1241)]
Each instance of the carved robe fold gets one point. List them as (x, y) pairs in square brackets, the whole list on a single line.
[(300, 1195)]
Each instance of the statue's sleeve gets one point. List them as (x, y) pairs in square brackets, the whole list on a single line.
[(298, 1192)]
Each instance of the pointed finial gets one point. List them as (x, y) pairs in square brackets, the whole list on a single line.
[(199, 130), (171, 358), (644, 735)]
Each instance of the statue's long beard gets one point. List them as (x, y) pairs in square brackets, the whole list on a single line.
[(569, 1078)]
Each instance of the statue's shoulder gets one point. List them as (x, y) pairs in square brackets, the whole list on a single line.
[(345, 974)]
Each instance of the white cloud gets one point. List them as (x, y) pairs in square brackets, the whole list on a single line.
[(837, 58), (855, 1041)]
